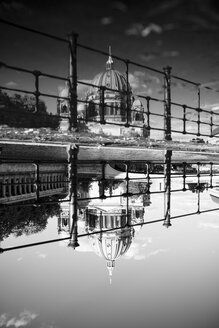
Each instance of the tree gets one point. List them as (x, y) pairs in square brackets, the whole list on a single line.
[(19, 220), (21, 112)]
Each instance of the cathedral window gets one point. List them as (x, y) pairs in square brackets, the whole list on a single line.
[(107, 108), (112, 109), (12, 187), (138, 116), (64, 109)]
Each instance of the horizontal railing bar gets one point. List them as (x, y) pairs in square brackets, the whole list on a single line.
[(201, 110), (28, 29), (33, 72), (17, 90), (150, 98)]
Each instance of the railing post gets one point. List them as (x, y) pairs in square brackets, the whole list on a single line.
[(128, 109), (167, 193), (198, 109), (199, 96), (198, 187), (127, 194), (184, 119), (37, 92), (148, 113), (73, 80), (102, 105), (211, 124), (102, 181), (73, 196), (211, 175), (184, 176), (167, 103), (198, 121), (37, 181)]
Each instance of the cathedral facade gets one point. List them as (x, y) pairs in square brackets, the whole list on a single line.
[(109, 106)]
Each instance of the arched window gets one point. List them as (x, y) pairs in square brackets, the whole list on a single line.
[(138, 116), (64, 109), (108, 109), (12, 187), (112, 109)]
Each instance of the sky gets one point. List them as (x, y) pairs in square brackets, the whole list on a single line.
[(179, 33), (168, 277)]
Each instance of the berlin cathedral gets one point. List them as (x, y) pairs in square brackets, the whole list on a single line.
[(110, 213), (117, 97)]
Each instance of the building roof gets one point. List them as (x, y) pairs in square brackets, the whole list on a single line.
[(111, 79)]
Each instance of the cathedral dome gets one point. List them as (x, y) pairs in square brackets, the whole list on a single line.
[(111, 79), (112, 244)]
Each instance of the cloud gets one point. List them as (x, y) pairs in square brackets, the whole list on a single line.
[(139, 29), (135, 29), (210, 107), (151, 28), (19, 259), (14, 7), (23, 319), (106, 20), (212, 84), (171, 53), (148, 56), (138, 81), (119, 5), (11, 84), (137, 249), (81, 89), (163, 7), (157, 251), (41, 255), (135, 252), (134, 81), (209, 225), (152, 79)]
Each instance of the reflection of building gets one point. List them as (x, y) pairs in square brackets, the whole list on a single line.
[(63, 108), (113, 213), (22, 182), (116, 213), (109, 100), (65, 217), (109, 244)]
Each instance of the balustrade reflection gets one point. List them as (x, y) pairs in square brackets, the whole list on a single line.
[(114, 191)]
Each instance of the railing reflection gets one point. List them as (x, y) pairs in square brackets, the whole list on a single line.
[(111, 199)]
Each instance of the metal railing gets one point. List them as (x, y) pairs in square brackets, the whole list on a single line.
[(138, 188), (172, 118)]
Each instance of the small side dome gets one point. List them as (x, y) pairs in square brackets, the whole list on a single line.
[(64, 92), (137, 105)]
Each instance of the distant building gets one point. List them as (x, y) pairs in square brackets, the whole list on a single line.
[(110, 100), (19, 182)]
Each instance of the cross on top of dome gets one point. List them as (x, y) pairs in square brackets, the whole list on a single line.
[(109, 63)]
